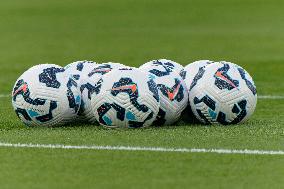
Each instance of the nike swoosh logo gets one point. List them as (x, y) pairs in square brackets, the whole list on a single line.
[(132, 87), (220, 75), (172, 95), (23, 87)]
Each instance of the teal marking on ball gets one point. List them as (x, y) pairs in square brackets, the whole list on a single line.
[(151, 76), (130, 116), (78, 99), (107, 120), (33, 113), (212, 113)]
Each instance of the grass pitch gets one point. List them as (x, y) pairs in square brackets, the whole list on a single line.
[(247, 32)]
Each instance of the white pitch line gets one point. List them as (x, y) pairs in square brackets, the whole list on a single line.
[(4, 95), (138, 148), (270, 97)]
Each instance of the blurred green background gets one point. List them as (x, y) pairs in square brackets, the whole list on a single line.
[(247, 32)]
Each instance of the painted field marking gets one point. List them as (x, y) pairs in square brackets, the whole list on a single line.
[(4, 95), (259, 97), (138, 148), (270, 97)]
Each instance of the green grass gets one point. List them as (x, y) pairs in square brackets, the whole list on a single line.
[(82, 169), (249, 33)]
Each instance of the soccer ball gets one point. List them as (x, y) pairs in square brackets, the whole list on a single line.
[(88, 86), (192, 69), (168, 65), (172, 91), (45, 95), (188, 74), (79, 70), (222, 93), (126, 97)]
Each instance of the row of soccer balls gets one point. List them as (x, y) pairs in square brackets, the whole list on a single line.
[(115, 95)]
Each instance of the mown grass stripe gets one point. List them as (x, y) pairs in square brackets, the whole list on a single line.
[(138, 148)]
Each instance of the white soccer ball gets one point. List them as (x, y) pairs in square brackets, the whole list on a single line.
[(168, 65), (46, 95), (79, 70), (172, 91), (88, 86), (222, 93), (127, 97), (188, 74), (189, 71)]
